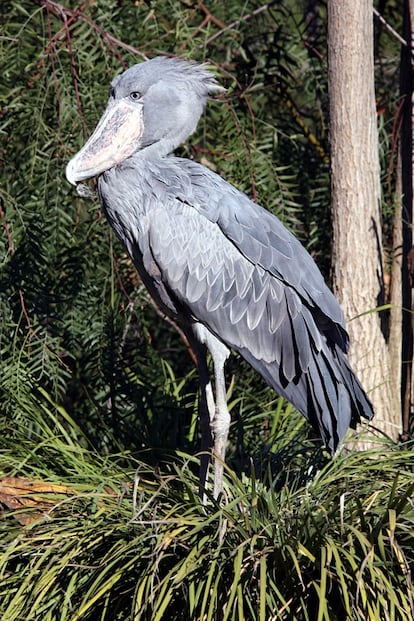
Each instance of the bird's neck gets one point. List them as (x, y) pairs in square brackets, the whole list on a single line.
[(154, 151)]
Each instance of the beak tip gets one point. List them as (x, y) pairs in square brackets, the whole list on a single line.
[(71, 173)]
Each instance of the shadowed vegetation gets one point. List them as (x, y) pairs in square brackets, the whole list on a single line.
[(98, 395)]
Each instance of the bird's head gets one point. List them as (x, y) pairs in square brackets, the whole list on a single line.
[(152, 108)]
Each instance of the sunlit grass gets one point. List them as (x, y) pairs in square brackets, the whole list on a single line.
[(86, 537)]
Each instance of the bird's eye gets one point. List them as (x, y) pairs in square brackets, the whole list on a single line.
[(135, 95)]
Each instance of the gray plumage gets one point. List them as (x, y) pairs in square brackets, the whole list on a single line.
[(228, 272)]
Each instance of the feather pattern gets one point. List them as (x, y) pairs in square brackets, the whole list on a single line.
[(237, 270), (223, 267)]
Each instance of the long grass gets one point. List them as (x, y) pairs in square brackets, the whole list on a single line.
[(88, 530), (87, 537)]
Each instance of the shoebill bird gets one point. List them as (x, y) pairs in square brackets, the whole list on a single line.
[(222, 267)]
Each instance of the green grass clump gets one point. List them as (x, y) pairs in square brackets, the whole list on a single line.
[(112, 538), (100, 516)]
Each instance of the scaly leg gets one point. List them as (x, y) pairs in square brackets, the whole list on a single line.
[(214, 417), (221, 421), (206, 414)]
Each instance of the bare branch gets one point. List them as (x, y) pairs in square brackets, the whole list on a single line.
[(390, 28), (260, 9)]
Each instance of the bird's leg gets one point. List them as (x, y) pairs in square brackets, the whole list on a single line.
[(206, 415), (221, 420), (214, 417)]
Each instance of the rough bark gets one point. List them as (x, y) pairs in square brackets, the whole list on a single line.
[(355, 187)]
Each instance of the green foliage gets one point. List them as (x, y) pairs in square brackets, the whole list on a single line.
[(75, 319), (109, 538), (94, 386)]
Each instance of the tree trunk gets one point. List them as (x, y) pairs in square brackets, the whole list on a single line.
[(355, 187), (406, 160)]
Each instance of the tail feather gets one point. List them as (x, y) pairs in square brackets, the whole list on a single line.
[(328, 393)]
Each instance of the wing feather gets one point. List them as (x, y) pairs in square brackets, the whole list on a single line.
[(264, 241), (243, 304), (210, 255)]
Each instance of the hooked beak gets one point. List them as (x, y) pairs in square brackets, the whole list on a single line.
[(116, 137)]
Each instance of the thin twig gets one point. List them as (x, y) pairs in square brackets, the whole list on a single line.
[(24, 311), (74, 73), (390, 28), (52, 56), (180, 331), (61, 10), (210, 17), (237, 22), (12, 252)]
